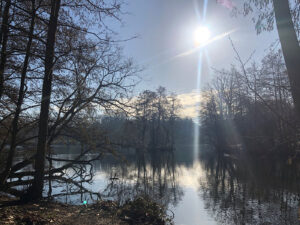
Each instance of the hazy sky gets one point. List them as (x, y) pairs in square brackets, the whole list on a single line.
[(166, 28)]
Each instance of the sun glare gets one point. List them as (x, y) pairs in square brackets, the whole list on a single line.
[(201, 35)]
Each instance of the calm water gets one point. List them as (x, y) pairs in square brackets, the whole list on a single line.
[(208, 190)]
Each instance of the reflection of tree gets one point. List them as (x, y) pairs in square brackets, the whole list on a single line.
[(245, 192), (154, 176), (72, 180)]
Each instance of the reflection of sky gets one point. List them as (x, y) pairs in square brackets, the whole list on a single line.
[(189, 211), (200, 198), (189, 176), (191, 208)]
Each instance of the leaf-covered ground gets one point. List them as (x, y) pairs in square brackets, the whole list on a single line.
[(139, 211)]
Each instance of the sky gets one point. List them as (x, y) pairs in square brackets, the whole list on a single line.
[(165, 29)]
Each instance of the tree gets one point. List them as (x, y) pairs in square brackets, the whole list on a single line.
[(251, 107), (155, 114), (290, 47), (287, 21), (20, 97), (3, 40), (36, 190), (82, 73)]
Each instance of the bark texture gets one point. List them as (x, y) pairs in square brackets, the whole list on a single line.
[(290, 47), (36, 190), (3, 40)]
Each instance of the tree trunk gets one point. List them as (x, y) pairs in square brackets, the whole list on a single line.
[(11, 154), (290, 47), (36, 190), (3, 40)]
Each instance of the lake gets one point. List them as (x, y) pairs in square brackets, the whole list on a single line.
[(207, 190)]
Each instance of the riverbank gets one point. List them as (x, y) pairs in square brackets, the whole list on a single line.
[(138, 211)]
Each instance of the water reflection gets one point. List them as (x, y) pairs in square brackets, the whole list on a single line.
[(246, 191), (154, 175), (213, 190)]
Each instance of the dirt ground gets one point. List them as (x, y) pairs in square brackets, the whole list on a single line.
[(12, 212), (102, 213)]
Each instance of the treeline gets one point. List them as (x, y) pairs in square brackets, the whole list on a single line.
[(251, 108), (59, 66), (153, 123)]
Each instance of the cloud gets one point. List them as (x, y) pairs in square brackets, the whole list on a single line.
[(190, 103)]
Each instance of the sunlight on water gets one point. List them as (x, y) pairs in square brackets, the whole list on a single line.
[(208, 191), (191, 209)]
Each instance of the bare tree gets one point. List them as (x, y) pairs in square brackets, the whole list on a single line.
[(251, 106), (19, 103), (82, 73), (286, 17)]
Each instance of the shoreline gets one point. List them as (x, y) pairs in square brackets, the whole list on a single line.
[(139, 211)]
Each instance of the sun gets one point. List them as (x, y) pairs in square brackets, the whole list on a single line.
[(201, 35)]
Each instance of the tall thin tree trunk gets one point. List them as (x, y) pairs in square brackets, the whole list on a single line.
[(50, 175), (11, 154), (3, 40), (290, 47), (1, 6), (36, 190)]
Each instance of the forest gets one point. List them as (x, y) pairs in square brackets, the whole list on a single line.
[(252, 108)]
